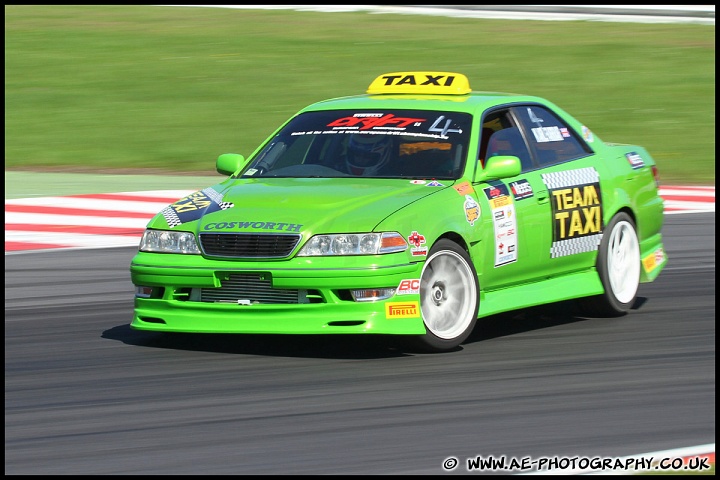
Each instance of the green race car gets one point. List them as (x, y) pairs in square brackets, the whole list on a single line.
[(411, 210)]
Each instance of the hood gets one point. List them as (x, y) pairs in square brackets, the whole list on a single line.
[(296, 205)]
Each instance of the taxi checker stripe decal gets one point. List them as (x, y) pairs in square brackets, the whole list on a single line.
[(171, 217), (575, 245), (581, 176)]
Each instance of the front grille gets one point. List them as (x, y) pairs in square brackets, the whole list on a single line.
[(248, 245), (256, 289)]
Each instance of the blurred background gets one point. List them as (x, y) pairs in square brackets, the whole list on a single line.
[(154, 90)]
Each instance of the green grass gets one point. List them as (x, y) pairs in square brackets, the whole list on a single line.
[(125, 87)]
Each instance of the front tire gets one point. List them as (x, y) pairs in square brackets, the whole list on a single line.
[(448, 298), (618, 265)]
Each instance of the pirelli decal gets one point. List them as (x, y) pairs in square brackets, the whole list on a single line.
[(576, 210), (402, 309), (194, 206)]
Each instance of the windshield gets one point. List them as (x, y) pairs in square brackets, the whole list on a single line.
[(370, 143)]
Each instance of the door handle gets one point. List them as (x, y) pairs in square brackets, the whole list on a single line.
[(542, 196)]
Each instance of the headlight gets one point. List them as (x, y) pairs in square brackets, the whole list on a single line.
[(354, 244), (164, 241)]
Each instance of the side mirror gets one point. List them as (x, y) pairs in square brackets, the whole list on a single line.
[(501, 166), (229, 163)]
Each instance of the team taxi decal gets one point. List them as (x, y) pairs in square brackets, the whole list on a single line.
[(635, 160), (502, 210), (417, 240), (576, 210), (402, 309), (472, 210), (194, 206), (521, 189), (654, 260), (409, 286)]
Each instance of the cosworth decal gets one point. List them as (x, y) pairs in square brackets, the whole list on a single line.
[(286, 227), (576, 209), (194, 206), (504, 219)]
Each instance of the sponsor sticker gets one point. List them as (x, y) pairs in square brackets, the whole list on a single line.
[(194, 206), (282, 226), (418, 242), (472, 210), (635, 160), (504, 223), (547, 134), (402, 309), (521, 189), (463, 188), (408, 287), (654, 260)]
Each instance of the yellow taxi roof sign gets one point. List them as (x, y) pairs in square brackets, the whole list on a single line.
[(443, 83)]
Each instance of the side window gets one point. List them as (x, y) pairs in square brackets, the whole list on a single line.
[(501, 136), (553, 141)]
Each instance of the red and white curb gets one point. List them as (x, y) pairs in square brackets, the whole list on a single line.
[(118, 219), (688, 199)]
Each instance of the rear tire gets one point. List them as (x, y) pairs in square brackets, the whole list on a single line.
[(449, 298), (618, 265)]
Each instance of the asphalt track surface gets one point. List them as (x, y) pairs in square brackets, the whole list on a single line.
[(84, 394)]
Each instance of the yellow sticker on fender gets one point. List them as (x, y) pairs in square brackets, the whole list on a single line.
[(652, 261), (402, 309)]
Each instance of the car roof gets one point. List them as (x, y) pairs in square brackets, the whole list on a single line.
[(423, 90)]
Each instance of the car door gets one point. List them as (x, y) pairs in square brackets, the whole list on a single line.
[(568, 177), (515, 211)]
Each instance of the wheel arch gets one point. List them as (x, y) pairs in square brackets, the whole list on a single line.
[(618, 201)]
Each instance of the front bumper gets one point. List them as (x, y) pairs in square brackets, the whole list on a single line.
[(175, 305)]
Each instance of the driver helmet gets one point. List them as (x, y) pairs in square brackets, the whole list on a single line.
[(368, 153)]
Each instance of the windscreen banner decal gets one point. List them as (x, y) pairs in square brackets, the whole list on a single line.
[(194, 206), (504, 219), (577, 211)]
